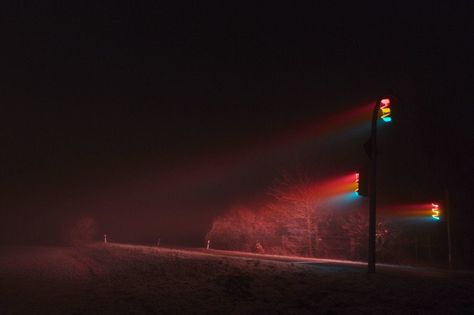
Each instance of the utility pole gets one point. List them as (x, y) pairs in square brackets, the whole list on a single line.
[(384, 105), (448, 227), (372, 187)]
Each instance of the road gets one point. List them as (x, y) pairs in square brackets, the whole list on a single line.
[(328, 264)]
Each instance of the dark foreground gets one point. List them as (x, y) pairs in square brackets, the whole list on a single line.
[(121, 279)]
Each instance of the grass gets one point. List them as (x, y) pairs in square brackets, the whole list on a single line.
[(125, 279)]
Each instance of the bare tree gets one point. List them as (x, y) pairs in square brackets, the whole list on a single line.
[(234, 230), (298, 202), (298, 220)]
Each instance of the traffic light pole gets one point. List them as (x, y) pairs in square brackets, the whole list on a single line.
[(448, 227), (372, 188)]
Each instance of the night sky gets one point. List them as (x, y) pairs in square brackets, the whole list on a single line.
[(154, 118)]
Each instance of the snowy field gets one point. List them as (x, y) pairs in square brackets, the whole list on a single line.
[(126, 279)]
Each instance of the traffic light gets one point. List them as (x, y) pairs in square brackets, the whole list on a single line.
[(357, 183), (435, 211), (361, 184), (385, 108)]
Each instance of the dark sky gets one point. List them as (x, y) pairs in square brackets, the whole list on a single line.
[(153, 117)]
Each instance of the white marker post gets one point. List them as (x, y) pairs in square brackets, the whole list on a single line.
[(208, 244), (105, 238)]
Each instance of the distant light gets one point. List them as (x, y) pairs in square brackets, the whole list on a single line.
[(435, 211), (385, 107)]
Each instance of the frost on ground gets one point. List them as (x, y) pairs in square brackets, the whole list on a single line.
[(125, 279)]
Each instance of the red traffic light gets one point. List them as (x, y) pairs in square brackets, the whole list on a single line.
[(386, 111), (435, 211)]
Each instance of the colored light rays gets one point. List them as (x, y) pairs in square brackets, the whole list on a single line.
[(334, 189), (338, 123), (202, 171), (211, 168), (342, 199), (414, 211), (386, 111)]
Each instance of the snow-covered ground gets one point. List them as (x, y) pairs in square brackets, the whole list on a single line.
[(127, 279)]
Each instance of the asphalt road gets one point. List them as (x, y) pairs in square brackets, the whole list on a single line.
[(333, 264)]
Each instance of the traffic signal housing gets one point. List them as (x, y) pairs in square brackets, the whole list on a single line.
[(386, 111), (435, 211), (362, 186)]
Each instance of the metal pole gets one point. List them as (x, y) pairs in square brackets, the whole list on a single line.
[(372, 188), (448, 227)]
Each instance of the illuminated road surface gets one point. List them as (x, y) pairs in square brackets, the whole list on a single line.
[(323, 264)]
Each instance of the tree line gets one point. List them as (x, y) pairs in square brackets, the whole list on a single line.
[(296, 219)]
